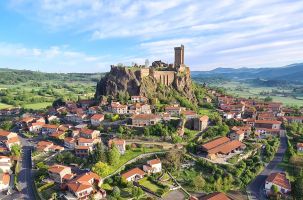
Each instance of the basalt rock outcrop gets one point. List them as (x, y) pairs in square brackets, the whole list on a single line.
[(145, 81)]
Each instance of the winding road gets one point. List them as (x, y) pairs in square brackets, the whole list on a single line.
[(256, 188)]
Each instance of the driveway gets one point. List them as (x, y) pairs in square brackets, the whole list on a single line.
[(256, 187)]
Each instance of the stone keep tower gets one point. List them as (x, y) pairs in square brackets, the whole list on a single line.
[(179, 56)]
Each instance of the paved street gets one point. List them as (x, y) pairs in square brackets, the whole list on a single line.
[(255, 188), (26, 182)]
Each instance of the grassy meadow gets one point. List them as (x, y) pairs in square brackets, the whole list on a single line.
[(284, 95), (37, 90)]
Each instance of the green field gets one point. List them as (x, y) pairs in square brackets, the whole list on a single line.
[(130, 154), (4, 106), (246, 90), (148, 184), (37, 106)]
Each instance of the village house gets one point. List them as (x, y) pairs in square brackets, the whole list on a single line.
[(76, 118), (60, 135), (291, 119), (215, 196), (266, 116), (245, 129), (300, 147), (24, 122), (202, 123), (174, 110), (93, 110), (280, 180), (133, 174), (189, 114), (221, 147), (138, 99), (48, 146), (153, 166), (269, 124), (145, 119), (83, 151), (69, 142), (237, 135), (5, 164), (4, 181), (36, 127), (44, 145), (9, 138), (118, 108), (96, 119), (58, 172), (85, 103), (120, 144), (83, 186), (51, 118), (88, 142), (138, 108), (49, 128), (89, 133)]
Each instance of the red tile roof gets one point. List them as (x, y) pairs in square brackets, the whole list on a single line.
[(279, 179), (57, 168), (215, 142), (4, 133), (97, 117), (116, 141), (215, 196), (145, 117), (226, 147), (154, 161), (133, 172)]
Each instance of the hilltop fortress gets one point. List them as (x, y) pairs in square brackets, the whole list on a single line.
[(164, 73), (145, 80)]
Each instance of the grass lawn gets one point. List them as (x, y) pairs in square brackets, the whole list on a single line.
[(37, 106), (4, 106), (146, 183), (130, 154)]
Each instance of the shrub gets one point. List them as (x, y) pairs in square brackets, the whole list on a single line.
[(45, 186)]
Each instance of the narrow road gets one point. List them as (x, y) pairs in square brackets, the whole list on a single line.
[(26, 181), (256, 187)]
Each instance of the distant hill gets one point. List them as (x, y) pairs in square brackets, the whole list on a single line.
[(13, 76), (291, 73)]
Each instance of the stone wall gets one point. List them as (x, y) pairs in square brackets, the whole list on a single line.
[(164, 77), (144, 72)]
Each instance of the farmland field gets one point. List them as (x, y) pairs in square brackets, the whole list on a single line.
[(37, 90), (284, 95)]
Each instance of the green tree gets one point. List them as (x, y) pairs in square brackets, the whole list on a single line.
[(173, 158), (113, 155), (102, 169), (275, 189), (137, 193), (16, 150), (198, 183), (6, 125), (115, 192)]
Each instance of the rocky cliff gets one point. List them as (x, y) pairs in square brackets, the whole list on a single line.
[(122, 80)]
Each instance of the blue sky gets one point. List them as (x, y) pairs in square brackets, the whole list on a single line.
[(90, 35)]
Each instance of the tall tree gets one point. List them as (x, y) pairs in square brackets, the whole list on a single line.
[(113, 155), (102, 169), (198, 183)]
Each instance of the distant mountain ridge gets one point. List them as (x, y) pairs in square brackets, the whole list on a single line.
[(291, 73)]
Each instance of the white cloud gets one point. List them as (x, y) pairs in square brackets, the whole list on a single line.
[(215, 33), (52, 59)]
